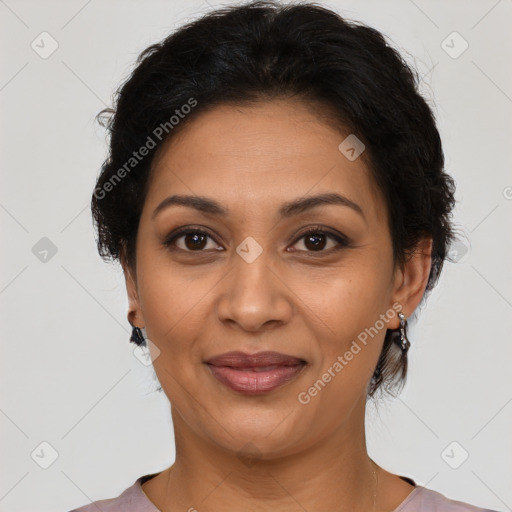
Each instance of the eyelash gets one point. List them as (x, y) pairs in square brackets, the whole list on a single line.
[(343, 242)]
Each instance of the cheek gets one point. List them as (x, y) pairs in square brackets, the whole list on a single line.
[(350, 304), (350, 297), (174, 305), (175, 312)]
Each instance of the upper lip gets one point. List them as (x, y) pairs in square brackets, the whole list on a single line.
[(257, 360)]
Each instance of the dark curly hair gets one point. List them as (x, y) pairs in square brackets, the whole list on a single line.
[(262, 51)]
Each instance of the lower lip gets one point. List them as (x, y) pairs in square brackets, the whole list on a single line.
[(251, 382)]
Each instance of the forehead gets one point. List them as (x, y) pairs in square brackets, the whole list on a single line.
[(259, 156)]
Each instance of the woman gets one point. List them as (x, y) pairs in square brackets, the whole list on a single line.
[(276, 196)]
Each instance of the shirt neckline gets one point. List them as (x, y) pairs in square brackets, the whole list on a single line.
[(408, 498), (145, 497)]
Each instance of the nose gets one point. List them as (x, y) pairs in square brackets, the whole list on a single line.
[(253, 296)]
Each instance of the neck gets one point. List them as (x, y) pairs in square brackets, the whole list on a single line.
[(335, 474)]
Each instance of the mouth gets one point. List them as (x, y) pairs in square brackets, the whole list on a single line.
[(255, 374)]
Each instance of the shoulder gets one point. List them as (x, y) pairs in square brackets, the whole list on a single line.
[(131, 499), (422, 499)]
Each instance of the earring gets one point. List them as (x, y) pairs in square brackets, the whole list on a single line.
[(137, 337), (402, 340)]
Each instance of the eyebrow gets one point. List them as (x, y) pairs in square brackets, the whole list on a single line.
[(289, 209)]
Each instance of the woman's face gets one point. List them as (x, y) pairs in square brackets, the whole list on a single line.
[(256, 283)]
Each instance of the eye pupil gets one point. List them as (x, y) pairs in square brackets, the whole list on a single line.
[(316, 239), (196, 237)]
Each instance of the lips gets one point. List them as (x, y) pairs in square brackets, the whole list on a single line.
[(255, 374), (258, 360)]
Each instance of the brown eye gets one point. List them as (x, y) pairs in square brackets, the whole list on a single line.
[(317, 240), (190, 240), (195, 241)]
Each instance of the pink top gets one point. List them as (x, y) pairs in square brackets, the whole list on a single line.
[(420, 499)]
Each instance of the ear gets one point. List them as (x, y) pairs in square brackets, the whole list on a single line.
[(134, 315), (411, 280)]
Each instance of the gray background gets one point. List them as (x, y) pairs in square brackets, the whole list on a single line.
[(69, 375)]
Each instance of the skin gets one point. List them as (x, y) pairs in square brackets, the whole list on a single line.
[(195, 305)]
